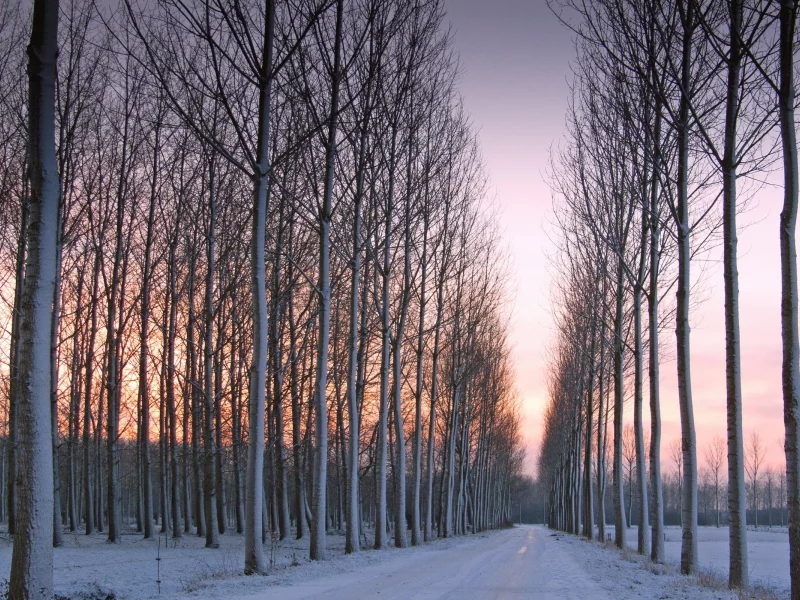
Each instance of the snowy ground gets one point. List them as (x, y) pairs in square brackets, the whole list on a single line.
[(524, 562), (767, 553)]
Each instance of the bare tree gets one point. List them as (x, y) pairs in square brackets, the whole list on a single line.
[(754, 462), (715, 462)]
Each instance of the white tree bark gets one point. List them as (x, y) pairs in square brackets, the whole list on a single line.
[(790, 372), (689, 559), (318, 547), (32, 557), (254, 480), (738, 571)]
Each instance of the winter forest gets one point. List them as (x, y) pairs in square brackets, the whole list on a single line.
[(251, 281), (259, 322), (680, 113)]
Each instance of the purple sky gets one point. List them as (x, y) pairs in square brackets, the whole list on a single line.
[(515, 62)]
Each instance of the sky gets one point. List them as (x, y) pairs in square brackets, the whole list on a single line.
[(515, 64)]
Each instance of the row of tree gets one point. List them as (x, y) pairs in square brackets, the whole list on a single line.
[(277, 295), (678, 111)]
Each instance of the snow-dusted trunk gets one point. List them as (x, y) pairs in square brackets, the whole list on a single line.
[(58, 530), (318, 548), (738, 574), (440, 291), (222, 513), (400, 525), (602, 410), (432, 412), (656, 488), (254, 483), (297, 442), (192, 402), (144, 392), (380, 518), (186, 456), (13, 390), (237, 361), (400, 538), (32, 555), (73, 422), (172, 416), (619, 396), (277, 379), (451, 460), (352, 542), (689, 560), (790, 373), (210, 497), (416, 526), (114, 378), (588, 500), (643, 541), (162, 424), (689, 477)]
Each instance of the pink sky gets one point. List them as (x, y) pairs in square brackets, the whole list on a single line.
[(515, 63)]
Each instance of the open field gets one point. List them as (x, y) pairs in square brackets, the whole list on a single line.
[(767, 553)]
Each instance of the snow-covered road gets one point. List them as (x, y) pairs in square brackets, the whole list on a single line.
[(530, 562), (524, 562)]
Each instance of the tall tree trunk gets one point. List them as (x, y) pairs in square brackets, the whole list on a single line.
[(381, 519), (738, 574), (114, 377), (588, 504), (416, 525), (656, 487), (32, 555), (400, 538), (619, 396), (74, 409), (441, 279), (689, 561), (172, 416), (144, 392), (192, 396), (318, 548), (210, 497), (58, 530), (254, 488), (297, 442), (13, 391), (602, 424), (643, 538), (277, 376), (352, 542), (221, 516), (790, 372), (163, 433)]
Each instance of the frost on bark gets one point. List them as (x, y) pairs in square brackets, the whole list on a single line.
[(689, 561), (656, 487), (254, 489), (32, 556), (790, 372), (318, 547), (738, 573), (619, 355)]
